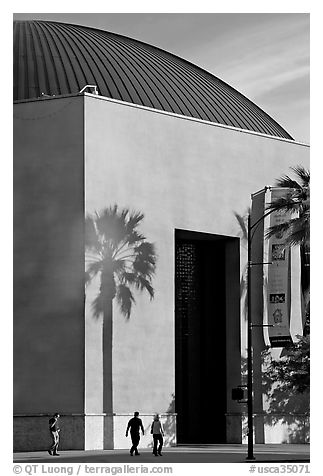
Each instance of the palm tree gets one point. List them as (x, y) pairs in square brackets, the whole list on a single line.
[(296, 230), (124, 261)]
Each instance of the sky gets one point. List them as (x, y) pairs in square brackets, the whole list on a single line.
[(265, 56)]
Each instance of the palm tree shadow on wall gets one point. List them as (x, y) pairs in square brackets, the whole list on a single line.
[(285, 405), (286, 385), (125, 262)]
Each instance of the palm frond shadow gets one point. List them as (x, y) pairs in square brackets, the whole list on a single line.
[(120, 255), (284, 405)]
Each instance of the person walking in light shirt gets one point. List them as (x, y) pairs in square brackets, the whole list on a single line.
[(157, 431)]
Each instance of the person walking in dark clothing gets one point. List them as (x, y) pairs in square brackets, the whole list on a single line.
[(135, 424), (157, 431), (54, 432)]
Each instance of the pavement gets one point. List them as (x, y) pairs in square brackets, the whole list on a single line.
[(279, 453)]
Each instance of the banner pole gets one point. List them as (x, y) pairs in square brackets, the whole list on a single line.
[(250, 376)]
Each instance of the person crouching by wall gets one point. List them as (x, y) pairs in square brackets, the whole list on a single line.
[(157, 431)]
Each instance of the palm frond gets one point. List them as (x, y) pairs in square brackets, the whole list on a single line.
[(134, 237), (290, 203), (92, 270), (287, 182), (128, 277), (98, 306), (146, 252), (133, 221), (144, 284), (125, 299), (123, 213), (112, 226), (91, 240), (296, 237), (143, 267), (242, 223), (294, 232), (145, 260), (299, 232), (303, 174), (277, 230), (118, 265)]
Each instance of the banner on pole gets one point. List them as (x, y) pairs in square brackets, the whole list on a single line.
[(279, 290)]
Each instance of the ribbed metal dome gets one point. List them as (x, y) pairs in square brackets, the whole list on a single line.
[(58, 58)]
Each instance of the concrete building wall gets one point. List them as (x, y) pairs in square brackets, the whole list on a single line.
[(182, 174), (48, 264)]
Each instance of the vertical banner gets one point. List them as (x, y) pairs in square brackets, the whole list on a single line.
[(278, 277)]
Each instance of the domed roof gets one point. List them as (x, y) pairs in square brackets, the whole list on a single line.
[(58, 58)]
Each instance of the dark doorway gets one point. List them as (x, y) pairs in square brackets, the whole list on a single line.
[(201, 307)]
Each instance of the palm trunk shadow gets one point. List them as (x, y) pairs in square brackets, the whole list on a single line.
[(107, 339)]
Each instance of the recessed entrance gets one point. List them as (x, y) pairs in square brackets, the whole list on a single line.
[(206, 284)]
